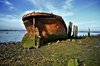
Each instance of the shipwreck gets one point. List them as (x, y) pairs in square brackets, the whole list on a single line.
[(42, 27)]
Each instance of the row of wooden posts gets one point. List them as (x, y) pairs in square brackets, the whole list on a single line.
[(75, 30), (74, 34)]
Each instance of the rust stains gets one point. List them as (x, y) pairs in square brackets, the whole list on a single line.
[(40, 26)]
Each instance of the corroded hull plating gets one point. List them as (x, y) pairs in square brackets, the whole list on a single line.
[(42, 27)]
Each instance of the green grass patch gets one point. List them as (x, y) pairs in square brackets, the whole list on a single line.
[(28, 42)]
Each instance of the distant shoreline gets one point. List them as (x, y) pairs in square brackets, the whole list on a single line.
[(12, 30), (90, 31), (78, 31)]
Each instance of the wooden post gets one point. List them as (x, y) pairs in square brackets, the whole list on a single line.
[(34, 32), (75, 31), (89, 32), (69, 29), (34, 23)]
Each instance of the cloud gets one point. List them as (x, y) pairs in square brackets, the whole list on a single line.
[(64, 8), (68, 4), (14, 22), (11, 22), (26, 12), (8, 4), (92, 24), (86, 6)]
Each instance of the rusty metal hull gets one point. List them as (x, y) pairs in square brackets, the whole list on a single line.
[(42, 27)]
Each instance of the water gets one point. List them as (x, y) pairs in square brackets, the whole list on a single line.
[(85, 33), (7, 36)]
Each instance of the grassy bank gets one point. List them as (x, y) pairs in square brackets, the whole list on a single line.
[(53, 54)]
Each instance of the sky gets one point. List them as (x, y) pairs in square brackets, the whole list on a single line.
[(83, 13)]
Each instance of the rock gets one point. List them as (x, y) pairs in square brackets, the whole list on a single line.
[(58, 41), (73, 40), (68, 39)]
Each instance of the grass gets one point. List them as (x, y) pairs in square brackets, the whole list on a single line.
[(28, 42), (54, 53)]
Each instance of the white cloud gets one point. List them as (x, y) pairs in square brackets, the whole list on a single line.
[(11, 22), (12, 8), (26, 12), (68, 4), (50, 6), (8, 4), (92, 24), (86, 6)]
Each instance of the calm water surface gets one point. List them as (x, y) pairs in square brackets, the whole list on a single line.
[(6, 36)]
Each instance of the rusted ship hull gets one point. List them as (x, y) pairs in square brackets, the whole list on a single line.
[(42, 27)]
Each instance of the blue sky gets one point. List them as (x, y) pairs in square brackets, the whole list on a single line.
[(84, 13)]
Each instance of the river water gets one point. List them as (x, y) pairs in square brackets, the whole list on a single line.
[(7, 36)]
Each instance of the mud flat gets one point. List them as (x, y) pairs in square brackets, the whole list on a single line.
[(53, 54)]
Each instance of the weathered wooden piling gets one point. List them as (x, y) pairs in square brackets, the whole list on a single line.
[(69, 29), (89, 32), (75, 31)]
